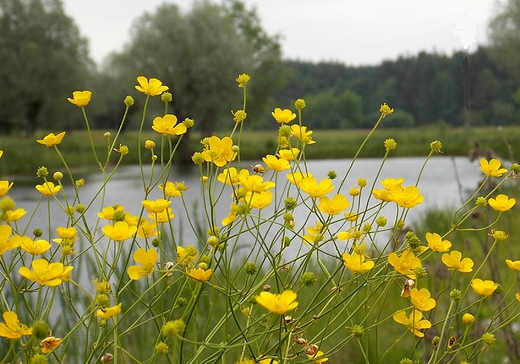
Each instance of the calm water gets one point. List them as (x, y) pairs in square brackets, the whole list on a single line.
[(444, 181)]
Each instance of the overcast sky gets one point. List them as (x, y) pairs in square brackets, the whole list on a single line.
[(355, 32)]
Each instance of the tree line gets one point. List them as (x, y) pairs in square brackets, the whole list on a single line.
[(199, 53)]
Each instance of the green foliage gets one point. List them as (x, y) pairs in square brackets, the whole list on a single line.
[(326, 110), (43, 57)]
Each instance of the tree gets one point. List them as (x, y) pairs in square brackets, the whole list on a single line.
[(504, 34), (43, 59), (199, 55)]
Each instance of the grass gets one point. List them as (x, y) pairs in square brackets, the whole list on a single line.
[(19, 152)]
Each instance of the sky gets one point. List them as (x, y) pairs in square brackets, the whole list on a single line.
[(353, 32)]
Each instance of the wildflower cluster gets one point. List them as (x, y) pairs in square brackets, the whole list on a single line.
[(281, 265)]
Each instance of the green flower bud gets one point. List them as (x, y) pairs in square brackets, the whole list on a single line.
[(235, 148), (69, 210), (357, 330), (189, 122), (173, 328), (436, 146), (118, 216), (102, 301), (37, 232), (308, 279), (107, 134), (181, 302), (80, 182), (299, 104), (213, 240), (481, 202), (198, 158), (161, 347), (58, 176), (284, 131), (420, 272), (40, 329), (250, 269), (38, 359), (390, 144), (332, 174), (468, 319), (405, 361), (156, 242), (455, 294), (515, 168), (361, 182), (399, 224), (203, 265), (488, 338), (149, 144), (7, 204), (290, 203), (129, 101), (166, 97), (381, 221), (80, 208), (42, 172)]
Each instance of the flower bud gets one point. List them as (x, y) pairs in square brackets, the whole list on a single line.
[(468, 319), (7, 204), (381, 221), (189, 122), (436, 146), (129, 101), (308, 279), (149, 144), (107, 134), (354, 192), (42, 172), (481, 202), (242, 80), (198, 158), (488, 338), (173, 328), (58, 176), (213, 240), (235, 148), (299, 104), (361, 182), (166, 97), (250, 269), (455, 294), (390, 144), (162, 348), (40, 329)]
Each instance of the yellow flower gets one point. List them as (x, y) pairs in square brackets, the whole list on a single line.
[(46, 274), (106, 313), (390, 183), (80, 98), (123, 149), (146, 229), (317, 358), (5, 186), (334, 206), (170, 189), (436, 243), (414, 322), (514, 265), (108, 212), (147, 259), (278, 303), (163, 216), (1, 153), (259, 200), (153, 87), (453, 262), (230, 176), (289, 154), (218, 151), (7, 243), (156, 206), (517, 296), (255, 183), (186, 255), (276, 164), (483, 288), (315, 234), (50, 140), (310, 186), (67, 232), (421, 299), (120, 231), (48, 188), (166, 125), (15, 215), (502, 203), (356, 262), (268, 361), (49, 344), (386, 110), (13, 329), (302, 134), (34, 247), (283, 116), (296, 177), (406, 197), (405, 264), (242, 80), (200, 274), (233, 213), (492, 168)]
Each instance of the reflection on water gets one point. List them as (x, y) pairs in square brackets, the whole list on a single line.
[(439, 183)]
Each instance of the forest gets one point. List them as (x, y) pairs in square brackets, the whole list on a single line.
[(208, 47)]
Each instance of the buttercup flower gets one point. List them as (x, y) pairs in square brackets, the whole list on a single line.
[(231, 177), (242, 80), (421, 299), (289, 154), (386, 110), (405, 264), (356, 262), (317, 358), (186, 255), (255, 183), (278, 303), (106, 313), (268, 361), (453, 262), (407, 197), (436, 243), (108, 212), (146, 229), (156, 206), (296, 177), (152, 87), (167, 125), (6, 243), (502, 203), (163, 216), (14, 215), (259, 200), (483, 288), (514, 265), (283, 116), (147, 259), (49, 344), (50, 140), (5, 186), (333, 206), (48, 188), (301, 133), (120, 231), (45, 273), (414, 322), (276, 164), (80, 98), (492, 168), (200, 274), (310, 186), (34, 247), (219, 151), (12, 328), (170, 189)]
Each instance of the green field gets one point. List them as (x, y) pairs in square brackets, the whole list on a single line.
[(20, 152)]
